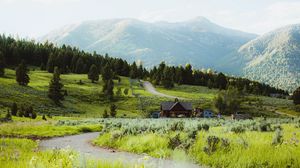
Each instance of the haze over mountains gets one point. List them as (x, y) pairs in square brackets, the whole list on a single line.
[(197, 41), (273, 58)]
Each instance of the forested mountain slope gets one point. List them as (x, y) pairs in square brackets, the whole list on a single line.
[(274, 58)]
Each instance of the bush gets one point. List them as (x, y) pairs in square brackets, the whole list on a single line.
[(204, 127), (115, 135), (105, 114), (177, 126), (212, 144), (264, 127), (33, 115), (237, 129), (174, 141), (113, 110), (278, 138), (14, 109)]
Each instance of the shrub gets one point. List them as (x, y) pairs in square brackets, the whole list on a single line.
[(192, 134), (174, 141), (116, 135), (105, 114), (113, 110), (8, 116), (278, 138), (85, 129), (14, 109), (212, 144), (237, 128), (177, 126), (204, 127), (33, 115), (264, 127), (21, 112), (44, 117)]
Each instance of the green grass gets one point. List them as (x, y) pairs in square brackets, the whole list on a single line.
[(82, 100), (252, 147), (24, 153), (36, 129), (253, 104)]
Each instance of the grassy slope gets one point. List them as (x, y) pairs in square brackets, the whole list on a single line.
[(86, 100), (257, 105), (82, 99)]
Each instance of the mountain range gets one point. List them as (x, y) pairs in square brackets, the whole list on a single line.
[(273, 58)]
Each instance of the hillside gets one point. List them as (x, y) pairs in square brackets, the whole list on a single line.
[(196, 41), (274, 58)]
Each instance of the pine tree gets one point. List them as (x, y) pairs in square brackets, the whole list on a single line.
[(93, 73), (79, 66), (21, 74), (296, 96), (105, 114), (107, 73), (14, 109), (2, 65), (55, 92), (221, 81), (108, 88), (113, 110), (167, 79), (50, 64), (134, 71)]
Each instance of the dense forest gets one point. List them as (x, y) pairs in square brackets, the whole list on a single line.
[(69, 59)]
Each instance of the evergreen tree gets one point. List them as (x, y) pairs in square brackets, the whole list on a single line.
[(21, 74), (55, 92), (50, 64), (296, 96), (14, 109), (2, 65), (107, 73), (134, 71), (105, 114), (221, 81), (188, 74), (167, 79), (108, 89), (93, 73), (43, 67), (79, 66), (113, 110)]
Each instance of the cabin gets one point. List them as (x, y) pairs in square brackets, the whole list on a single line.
[(176, 109)]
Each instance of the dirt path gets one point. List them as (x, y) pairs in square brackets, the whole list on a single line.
[(150, 88), (81, 144)]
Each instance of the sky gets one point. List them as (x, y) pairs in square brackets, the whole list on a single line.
[(34, 18)]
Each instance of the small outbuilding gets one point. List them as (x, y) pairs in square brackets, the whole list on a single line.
[(176, 109)]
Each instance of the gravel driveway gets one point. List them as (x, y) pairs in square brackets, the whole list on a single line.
[(81, 144), (149, 87)]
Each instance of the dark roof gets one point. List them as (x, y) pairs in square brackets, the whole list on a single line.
[(170, 105)]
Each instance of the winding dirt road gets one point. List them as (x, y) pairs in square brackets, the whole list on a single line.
[(81, 144), (150, 88)]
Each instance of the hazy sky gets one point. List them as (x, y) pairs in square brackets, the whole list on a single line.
[(33, 18)]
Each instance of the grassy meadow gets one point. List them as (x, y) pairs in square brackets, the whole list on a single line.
[(214, 143), (272, 142)]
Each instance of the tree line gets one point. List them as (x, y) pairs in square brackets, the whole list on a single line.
[(167, 76), (72, 60)]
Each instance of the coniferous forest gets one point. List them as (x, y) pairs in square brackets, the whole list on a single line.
[(69, 59)]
